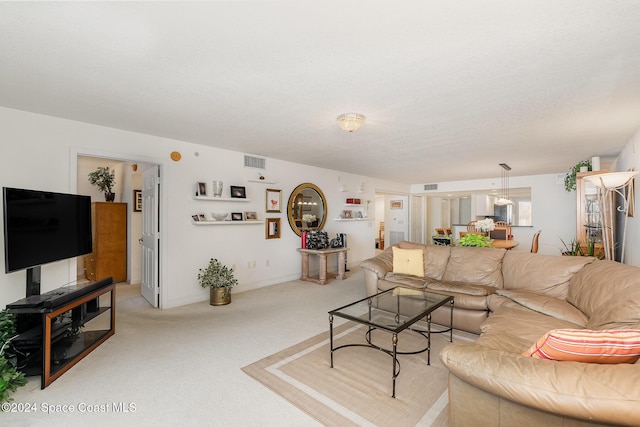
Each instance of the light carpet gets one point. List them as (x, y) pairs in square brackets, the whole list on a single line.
[(357, 391)]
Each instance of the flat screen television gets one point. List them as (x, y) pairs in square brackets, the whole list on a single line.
[(41, 227)]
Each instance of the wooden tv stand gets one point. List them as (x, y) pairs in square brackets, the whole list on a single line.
[(53, 339)]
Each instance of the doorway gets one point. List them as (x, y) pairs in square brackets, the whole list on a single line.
[(143, 215), (391, 218)]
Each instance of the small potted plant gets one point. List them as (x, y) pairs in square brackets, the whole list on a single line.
[(219, 279), (104, 179), (475, 240), (572, 249), (570, 177)]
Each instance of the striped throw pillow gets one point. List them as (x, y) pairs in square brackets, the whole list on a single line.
[(582, 345)]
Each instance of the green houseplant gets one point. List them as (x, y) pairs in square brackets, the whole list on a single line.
[(570, 177), (475, 240), (220, 279), (104, 179), (572, 249), (10, 377)]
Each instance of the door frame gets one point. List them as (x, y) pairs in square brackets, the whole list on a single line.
[(162, 206), (391, 193)]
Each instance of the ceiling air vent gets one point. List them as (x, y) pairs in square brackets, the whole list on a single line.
[(254, 162), (430, 187)]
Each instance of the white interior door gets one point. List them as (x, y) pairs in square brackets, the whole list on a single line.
[(417, 234), (150, 235)]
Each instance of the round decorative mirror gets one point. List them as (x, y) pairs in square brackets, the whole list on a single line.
[(307, 208)]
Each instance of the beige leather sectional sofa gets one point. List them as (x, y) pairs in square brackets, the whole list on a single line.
[(512, 299)]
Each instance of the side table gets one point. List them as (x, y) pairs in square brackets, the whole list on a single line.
[(322, 263)]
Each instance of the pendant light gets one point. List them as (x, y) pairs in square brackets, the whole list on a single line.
[(504, 199)]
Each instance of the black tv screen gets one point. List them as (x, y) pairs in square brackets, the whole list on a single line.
[(42, 227)]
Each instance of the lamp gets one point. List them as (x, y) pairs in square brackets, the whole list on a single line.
[(609, 184), (350, 122), (504, 200)]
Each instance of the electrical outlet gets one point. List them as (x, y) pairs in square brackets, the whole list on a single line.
[(266, 263)]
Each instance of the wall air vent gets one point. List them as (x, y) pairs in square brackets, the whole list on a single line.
[(430, 187), (254, 162)]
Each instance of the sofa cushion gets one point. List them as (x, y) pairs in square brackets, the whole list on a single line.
[(392, 279), (545, 304), (480, 266), (408, 261), (608, 293), (381, 264), (545, 274), (435, 258), (523, 323), (587, 346), (459, 287)]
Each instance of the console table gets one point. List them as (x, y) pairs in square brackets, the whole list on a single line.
[(322, 263)]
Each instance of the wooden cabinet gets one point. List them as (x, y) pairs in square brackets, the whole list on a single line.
[(589, 220), (109, 233)]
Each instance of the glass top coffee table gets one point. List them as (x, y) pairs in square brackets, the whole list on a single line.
[(393, 311)]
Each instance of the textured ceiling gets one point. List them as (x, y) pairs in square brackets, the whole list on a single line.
[(449, 89)]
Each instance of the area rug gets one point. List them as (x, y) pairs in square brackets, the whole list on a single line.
[(357, 391)]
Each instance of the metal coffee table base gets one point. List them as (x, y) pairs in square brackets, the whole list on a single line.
[(393, 352)]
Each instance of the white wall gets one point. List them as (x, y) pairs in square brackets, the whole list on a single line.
[(554, 210), (40, 152)]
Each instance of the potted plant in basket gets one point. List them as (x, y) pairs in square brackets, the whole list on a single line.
[(477, 240), (220, 279), (104, 179)]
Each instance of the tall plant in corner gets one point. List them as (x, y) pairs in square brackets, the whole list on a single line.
[(570, 177), (10, 377), (104, 179)]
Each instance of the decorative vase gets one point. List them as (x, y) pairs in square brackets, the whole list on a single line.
[(217, 189), (109, 197), (219, 296)]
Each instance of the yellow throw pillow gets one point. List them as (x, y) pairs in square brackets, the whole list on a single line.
[(408, 261), (582, 345)]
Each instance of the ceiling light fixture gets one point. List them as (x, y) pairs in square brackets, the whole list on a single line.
[(504, 199), (350, 122)]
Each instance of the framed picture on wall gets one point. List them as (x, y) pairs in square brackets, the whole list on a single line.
[(238, 192), (395, 204), (201, 189), (137, 200), (250, 216), (272, 228), (274, 200), (236, 216)]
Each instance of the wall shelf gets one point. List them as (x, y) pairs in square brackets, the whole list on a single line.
[(219, 199), (252, 222), (353, 219), (354, 205), (260, 181)]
